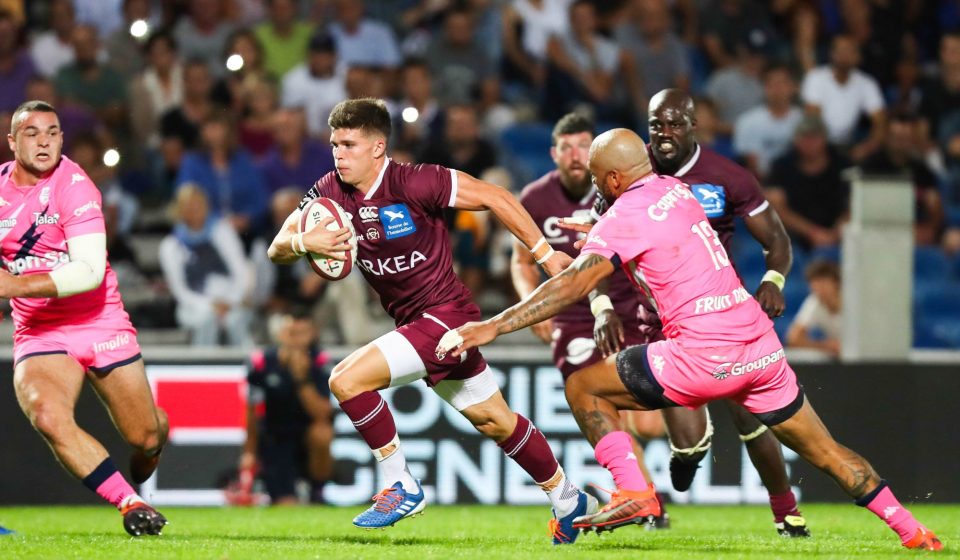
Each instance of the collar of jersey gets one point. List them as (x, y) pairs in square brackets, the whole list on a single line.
[(376, 184), (693, 161)]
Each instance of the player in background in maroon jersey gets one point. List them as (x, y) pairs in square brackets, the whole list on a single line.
[(725, 190), (568, 191), (404, 253)]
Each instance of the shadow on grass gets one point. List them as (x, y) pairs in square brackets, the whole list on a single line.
[(348, 539)]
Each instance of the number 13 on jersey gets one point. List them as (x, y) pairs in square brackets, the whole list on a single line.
[(710, 240)]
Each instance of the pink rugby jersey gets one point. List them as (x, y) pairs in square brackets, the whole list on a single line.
[(35, 224), (658, 232)]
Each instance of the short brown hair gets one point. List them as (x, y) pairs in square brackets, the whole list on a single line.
[(368, 114), (32, 106), (572, 123), (822, 268)]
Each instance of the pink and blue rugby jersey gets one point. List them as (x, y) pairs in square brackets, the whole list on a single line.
[(35, 224), (658, 232)]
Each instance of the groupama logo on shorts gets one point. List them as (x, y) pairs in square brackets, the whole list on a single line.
[(727, 369)]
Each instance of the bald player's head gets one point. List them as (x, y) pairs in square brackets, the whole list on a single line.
[(618, 158), (672, 125)]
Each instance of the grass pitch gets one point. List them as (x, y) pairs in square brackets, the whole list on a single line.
[(840, 531)]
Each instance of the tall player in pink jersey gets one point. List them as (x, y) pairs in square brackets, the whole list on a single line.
[(719, 342), (404, 253), (70, 322)]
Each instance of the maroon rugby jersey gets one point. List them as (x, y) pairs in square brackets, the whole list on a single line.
[(403, 245), (547, 201)]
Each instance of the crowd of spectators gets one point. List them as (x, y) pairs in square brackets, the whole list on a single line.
[(215, 115)]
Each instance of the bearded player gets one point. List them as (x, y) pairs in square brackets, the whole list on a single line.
[(69, 320), (404, 253), (719, 343)]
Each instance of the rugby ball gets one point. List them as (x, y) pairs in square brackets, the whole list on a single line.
[(315, 212)]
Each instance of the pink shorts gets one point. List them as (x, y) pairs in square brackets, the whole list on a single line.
[(99, 345), (755, 375)]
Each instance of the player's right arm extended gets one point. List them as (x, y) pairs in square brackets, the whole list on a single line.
[(289, 245), (84, 272), (526, 278), (474, 194)]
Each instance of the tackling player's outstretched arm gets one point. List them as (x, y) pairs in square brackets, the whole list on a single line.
[(84, 272), (474, 194), (289, 245), (767, 228), (574, 283)]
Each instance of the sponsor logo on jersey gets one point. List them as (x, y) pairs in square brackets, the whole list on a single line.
[(7, 223), (396, 221), (373, 234), (44, 195), (48, 261), (3, 202), (713, 198), (76, 178), (88, 206), (727, 369), (121, 339), (42, 219), (392, 265), (676, 193), (368, 214)]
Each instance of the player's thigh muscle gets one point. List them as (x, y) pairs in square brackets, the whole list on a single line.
[(47, 384), (126, 393), (365, 369), (603, 380)]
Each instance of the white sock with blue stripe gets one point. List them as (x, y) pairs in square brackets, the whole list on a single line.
[(393, 465)]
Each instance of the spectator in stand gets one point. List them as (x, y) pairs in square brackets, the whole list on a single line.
[(234, 186), (157, 89), (726, 24), (941, 92), (235, 86), (414, 130), (710, 129), (461, 69), (818, 322), (842, 94), (284, 38), (16, 69), (52, 50), (583, 65), (527, 27), (203, 34), (807, 187), (765, 132), (737, 88), (317, 84), (105, 15), (205, 269), (904, 95), (182, 123), (902, 154), (260, 103), (289, 415), (92, 84), (125, 52), (462, 148), (295, 159), (660, 57), (363, 41)]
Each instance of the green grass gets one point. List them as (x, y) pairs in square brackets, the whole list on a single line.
[(840, 531)]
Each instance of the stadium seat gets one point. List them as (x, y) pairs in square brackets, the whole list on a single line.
[(930, 263), (526, 138), (831, 253)]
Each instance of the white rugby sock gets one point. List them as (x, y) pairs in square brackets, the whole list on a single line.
[(393, 465), (563, 495)]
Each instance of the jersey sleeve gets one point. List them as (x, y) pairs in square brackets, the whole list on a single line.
[(80, 207), (744, 195), (432, 187), (615, 238), (320, 189)]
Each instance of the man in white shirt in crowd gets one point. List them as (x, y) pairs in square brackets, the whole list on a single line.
[(817, 324), (765, 132)]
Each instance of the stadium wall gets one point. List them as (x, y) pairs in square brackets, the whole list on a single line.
[(898, 415)]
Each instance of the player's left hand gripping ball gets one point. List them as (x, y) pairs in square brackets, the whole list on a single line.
[(470, 335)]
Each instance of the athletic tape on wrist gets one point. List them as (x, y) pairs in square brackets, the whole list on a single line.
[(774, 278), (536, 246), (546, 256), (600, 304)]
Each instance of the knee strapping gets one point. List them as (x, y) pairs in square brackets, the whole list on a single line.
[(701, 446), (747, 438)]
